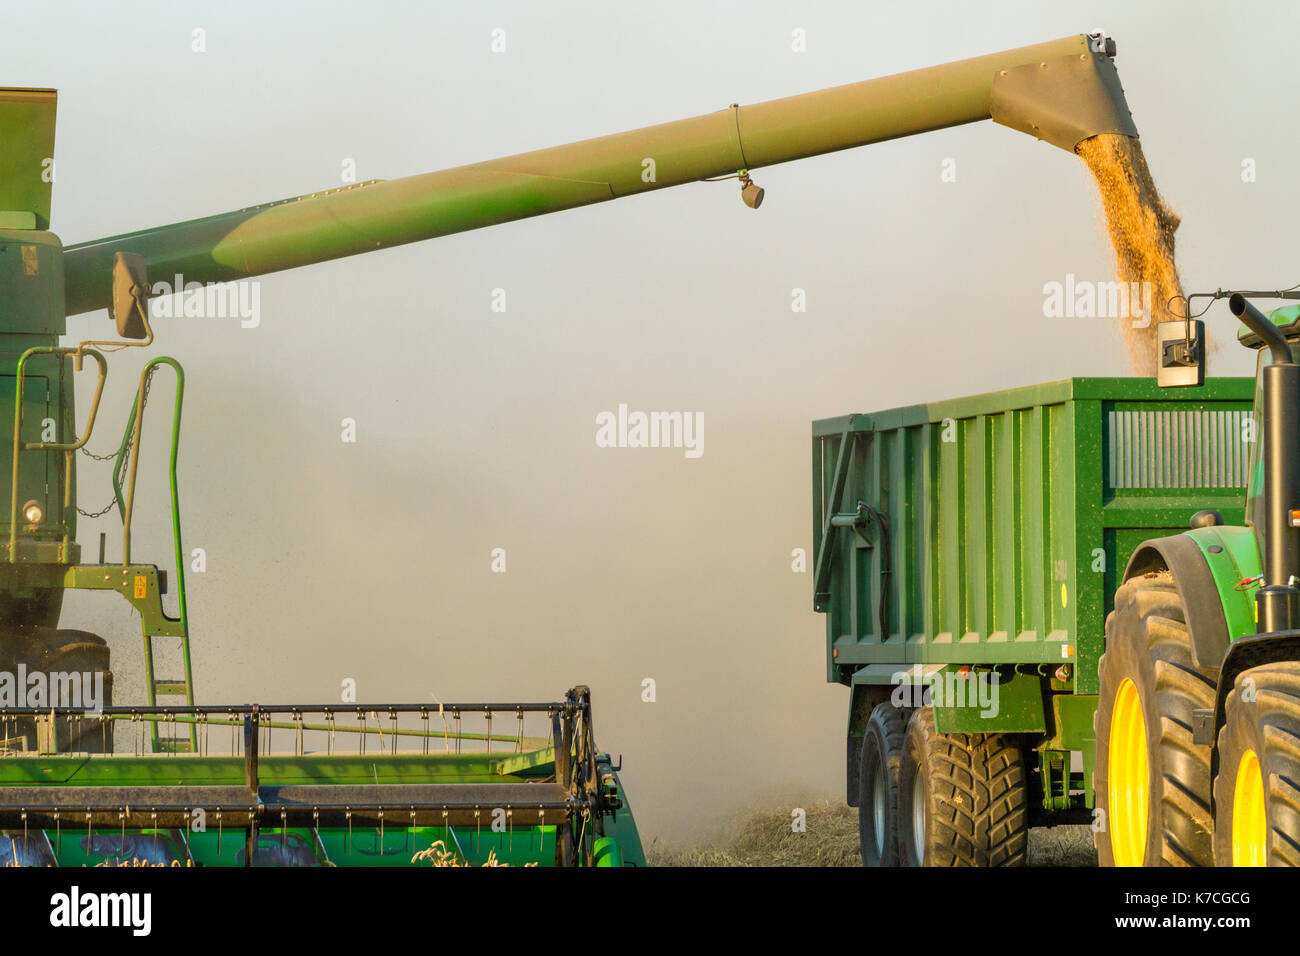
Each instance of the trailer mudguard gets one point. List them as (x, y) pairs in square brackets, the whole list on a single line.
[(863, 700)]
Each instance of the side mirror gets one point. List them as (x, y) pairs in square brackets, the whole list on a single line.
[(130, 295), (1182, 353)]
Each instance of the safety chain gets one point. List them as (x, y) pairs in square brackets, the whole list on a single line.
[(130, 443)]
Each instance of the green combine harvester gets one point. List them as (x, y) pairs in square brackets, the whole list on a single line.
[(168, 780)]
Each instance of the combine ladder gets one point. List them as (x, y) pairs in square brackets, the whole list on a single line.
[(181, 688), (143, 585)]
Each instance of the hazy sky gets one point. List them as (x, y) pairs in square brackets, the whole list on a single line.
[(476, 429)]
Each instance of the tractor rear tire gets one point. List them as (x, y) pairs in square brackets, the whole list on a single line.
[(1257, 789), (963, 798), (882, 756), (1152, 782)]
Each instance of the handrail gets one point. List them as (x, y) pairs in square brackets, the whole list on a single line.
[(132, 436), (131, 440)]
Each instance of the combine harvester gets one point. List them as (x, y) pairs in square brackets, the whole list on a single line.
[(178, 782)]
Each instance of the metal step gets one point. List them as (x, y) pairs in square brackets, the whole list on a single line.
[(170, 688), (175, 745)]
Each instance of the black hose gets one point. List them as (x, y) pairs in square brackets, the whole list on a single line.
[(886, 561)]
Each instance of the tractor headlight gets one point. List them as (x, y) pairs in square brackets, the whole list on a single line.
[(33, 513)]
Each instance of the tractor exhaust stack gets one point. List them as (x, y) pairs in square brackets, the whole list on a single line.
[(1278, 600)]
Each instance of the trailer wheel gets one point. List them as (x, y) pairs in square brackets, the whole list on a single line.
[(882, 755), (1152, 782), (963, 798), (1257, 789)]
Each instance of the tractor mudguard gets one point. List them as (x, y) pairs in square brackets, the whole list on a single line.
[(1207, 565)]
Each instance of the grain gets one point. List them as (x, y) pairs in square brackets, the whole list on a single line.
[(1141, 228)]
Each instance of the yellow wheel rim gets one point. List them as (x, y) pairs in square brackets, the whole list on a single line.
[(1127, 783), (1249, 823)]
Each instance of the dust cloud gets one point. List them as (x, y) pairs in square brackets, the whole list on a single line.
[(373, 561)]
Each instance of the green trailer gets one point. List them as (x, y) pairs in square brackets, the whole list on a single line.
[(967, 555)]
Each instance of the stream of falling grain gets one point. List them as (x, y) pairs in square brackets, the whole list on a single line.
[(1141, 228)]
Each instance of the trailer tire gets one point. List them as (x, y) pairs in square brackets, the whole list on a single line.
[(882, 756), (1152, 782), (963, 798), (1257, 789)]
